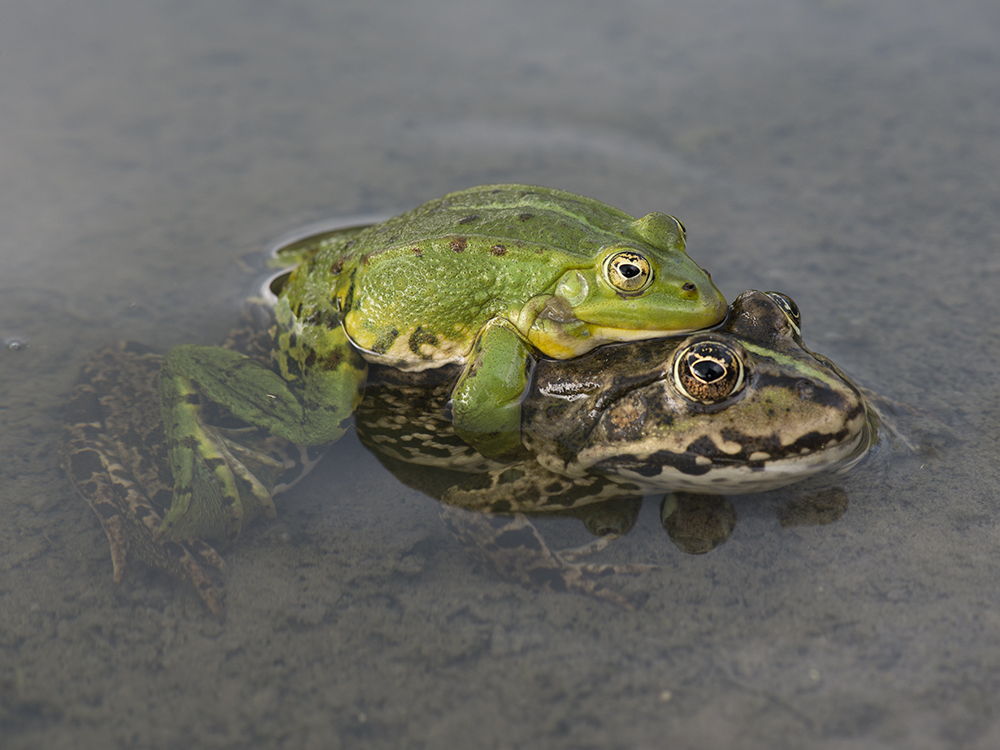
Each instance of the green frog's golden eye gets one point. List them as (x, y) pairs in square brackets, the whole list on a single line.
[(628, 271), (789, 308), (709, 371)]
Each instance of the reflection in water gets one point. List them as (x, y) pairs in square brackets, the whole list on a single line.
[(697, 523)]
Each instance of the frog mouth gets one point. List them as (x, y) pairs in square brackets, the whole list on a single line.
[(557, 332), (558, 312), (712, 463), (692, 472)]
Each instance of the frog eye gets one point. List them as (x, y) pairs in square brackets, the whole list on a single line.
[(680, 225), (789, 308), (628, 271), (709, 372)]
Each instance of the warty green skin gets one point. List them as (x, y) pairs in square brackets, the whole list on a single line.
[(482, 278), (414, 291)]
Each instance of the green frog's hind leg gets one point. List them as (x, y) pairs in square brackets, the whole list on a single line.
[(512, 546), (310, 405), (486, 401)]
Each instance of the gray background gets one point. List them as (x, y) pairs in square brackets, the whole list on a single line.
[(844, 152)]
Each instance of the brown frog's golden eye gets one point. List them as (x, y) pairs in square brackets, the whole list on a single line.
[(789, 308), (709, 372), (628, 271)]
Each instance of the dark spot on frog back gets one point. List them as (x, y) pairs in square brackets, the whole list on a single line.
[(324, 318), (458, 244), (84, 408), (419, 338), (498, 251), (346, 303), (82, 465), (469, 219), (367, 257), (333, 359), (385, 340)]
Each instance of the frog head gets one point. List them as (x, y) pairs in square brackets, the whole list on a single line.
[(743, 407), (644, 282)]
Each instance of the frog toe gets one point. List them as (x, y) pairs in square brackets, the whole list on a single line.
[(188, 557)]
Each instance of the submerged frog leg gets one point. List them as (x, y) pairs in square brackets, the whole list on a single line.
[(607, 521), (513, 548), (308, 403), (601, 543), (574, 554), (486, 401), (127, 514), (91, 475)]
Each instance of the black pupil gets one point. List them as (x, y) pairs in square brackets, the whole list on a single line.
[(708, 371), (628, 270)]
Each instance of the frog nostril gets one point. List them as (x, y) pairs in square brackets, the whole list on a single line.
[(805, 388), (689, 287)]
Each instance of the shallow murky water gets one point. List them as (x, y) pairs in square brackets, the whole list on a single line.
[(843, 152)]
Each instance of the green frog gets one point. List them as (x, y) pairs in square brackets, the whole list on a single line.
[(487, 279), (739, 408)]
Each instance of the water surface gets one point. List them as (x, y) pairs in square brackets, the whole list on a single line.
[(843, 152)]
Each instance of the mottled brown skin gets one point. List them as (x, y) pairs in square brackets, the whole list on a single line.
[(114, 452)]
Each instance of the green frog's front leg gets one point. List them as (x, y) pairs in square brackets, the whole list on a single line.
[(308, 403), (486, 401)]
